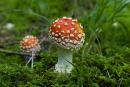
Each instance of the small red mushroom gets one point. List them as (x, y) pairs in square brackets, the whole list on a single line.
[(30, 44), (68, 34)]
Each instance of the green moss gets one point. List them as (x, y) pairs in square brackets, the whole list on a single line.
[(103, 61)]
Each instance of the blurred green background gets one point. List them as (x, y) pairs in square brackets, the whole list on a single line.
[(103, 61)]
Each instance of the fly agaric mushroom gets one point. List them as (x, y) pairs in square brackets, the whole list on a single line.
[(30, 44), (68, 34)]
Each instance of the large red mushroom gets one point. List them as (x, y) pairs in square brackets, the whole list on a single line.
[(68, 34)]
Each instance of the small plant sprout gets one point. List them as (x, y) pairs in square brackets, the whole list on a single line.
[(30, 44), (68, 34)]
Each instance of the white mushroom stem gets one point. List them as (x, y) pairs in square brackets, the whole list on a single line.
[(64, 64), (31, 59)]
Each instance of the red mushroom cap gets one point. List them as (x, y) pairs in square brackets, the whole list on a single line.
[(30, 43), (67, 33)]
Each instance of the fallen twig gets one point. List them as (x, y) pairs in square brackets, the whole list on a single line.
[(16, 53)]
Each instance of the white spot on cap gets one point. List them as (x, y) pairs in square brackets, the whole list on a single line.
[(83, 34), (71, 35), (66, 24), (62, 37), (75, 32), (64, 17), (53, 33), (73, 23), (79, 35), (58, 26), (71, 41), (67, 31), (59, 40), (66, 40), (72, 29), (54, 25), (75, 42), (56, 35), (81, 26), (63, 43), (59, 33), (63, 31), (56, 20), (55, 38)]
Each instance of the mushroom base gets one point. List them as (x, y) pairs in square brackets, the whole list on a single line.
[(64, 64)]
